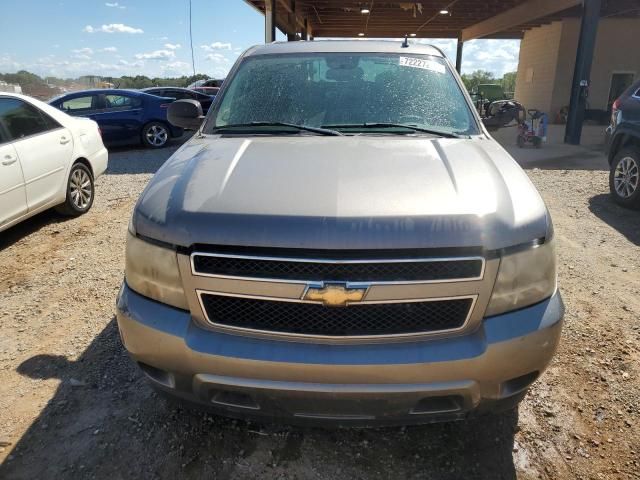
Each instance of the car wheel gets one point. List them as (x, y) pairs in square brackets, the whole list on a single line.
[(624, 178), (80, 191), (155, 135)]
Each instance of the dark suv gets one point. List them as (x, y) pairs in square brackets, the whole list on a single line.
[(623, 148)]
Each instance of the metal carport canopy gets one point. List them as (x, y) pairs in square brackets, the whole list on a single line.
[(465, 19)]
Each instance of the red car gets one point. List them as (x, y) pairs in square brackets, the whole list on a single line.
[(208, 87)]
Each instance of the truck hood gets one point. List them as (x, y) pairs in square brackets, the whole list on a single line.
[(351, 192)]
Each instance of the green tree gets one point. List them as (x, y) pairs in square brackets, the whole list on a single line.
[(23, 78), (478, 77), (509, 83)]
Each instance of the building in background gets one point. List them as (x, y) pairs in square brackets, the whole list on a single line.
[(547, 61), (9, 87)]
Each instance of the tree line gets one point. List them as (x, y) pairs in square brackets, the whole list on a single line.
[(480, 77), (30, 81)]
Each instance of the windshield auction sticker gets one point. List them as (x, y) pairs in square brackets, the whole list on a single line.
[(421, 63)]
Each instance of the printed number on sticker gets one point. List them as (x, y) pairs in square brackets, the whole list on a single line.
[(421, 63)]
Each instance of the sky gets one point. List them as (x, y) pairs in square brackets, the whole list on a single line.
[(69, 38)]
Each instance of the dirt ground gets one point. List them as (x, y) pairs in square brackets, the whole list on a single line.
[(72, 405)]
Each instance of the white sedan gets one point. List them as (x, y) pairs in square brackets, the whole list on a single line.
[(47, 159)]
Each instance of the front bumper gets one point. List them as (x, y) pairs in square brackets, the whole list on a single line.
[(413, 382)]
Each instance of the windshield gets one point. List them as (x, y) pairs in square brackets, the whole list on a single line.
[(352, 93)]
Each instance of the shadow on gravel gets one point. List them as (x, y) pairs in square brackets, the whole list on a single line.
[(104, 421), (624, 220), (29, 226), (136, 159)]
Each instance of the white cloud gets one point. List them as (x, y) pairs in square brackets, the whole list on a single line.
[(493, 55), (110, 49), (113, 28), (125, 63), (177, 64), (172, 46), (217, 57), (115, 5), (176, 68), (8, 64), (156, 55), (50, 65), (67, 67), (83, 51), (216, 46), (219, 72)]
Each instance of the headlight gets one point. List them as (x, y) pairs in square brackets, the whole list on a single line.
[(524, 278), (152, 271)]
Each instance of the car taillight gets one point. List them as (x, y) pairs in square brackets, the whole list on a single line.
[(614, 110), (616, 104)]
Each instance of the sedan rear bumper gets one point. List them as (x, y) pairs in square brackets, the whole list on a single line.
[(389, 383), (99, 162)]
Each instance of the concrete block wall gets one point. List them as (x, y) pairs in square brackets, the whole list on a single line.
[(550, 51), (617, 51), (537, 66)]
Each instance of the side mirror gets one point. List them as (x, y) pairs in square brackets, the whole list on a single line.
[(186, 114)]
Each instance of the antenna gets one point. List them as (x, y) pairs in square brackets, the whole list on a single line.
[(405, 44), (193, 61)]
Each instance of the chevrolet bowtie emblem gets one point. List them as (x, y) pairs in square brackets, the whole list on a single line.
[(335, 295)]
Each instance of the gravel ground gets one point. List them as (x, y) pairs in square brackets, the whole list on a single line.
[(73, 406)]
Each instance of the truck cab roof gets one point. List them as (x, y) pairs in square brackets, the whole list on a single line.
[(337, 46)]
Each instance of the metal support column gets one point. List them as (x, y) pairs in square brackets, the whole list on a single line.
[(459, 53), (292, 27), (582, 70), (269, 21)]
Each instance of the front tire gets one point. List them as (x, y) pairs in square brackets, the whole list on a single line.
[(155, 135), (80, 192), (624, 178)]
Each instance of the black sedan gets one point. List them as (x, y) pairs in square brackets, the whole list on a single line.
[(181, 94)]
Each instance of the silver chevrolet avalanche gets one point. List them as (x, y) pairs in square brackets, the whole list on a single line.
[(341, 242)]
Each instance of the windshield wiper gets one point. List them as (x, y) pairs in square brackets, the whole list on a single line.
[(321, 131), (415, 128)]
